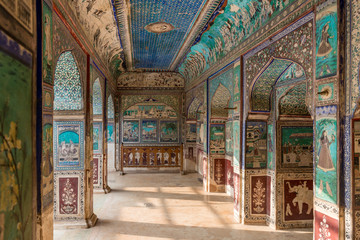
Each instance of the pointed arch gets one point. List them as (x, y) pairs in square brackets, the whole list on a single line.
[(220, 101), (293, 102), (275, 72), (97, 98), (193, 108), (110, 108), (67, 84)]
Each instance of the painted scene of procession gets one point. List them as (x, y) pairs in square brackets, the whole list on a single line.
[(296, 146)]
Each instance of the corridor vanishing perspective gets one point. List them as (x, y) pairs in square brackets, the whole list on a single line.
[(168, 206), (173, 119)]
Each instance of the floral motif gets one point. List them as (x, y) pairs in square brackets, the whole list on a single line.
[(68, 199), (259, 197), (324, 232)]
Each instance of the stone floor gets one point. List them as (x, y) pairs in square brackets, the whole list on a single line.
[(168, 206)]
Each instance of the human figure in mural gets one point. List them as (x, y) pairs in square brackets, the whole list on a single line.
[(47, 163), (48, 50), (325, 161), (324, 47)]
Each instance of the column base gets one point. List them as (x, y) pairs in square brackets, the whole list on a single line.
[(121, 173), (107, 189), (91, 222)]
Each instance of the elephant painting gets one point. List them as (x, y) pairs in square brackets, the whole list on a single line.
[(304, 195)]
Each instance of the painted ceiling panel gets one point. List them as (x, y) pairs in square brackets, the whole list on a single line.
[(158, 50), (97, 19)]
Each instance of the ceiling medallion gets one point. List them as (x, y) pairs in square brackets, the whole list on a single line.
[(159, 27)]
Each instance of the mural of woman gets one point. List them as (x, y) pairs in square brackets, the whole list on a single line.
[(325, 161), (324, 47)]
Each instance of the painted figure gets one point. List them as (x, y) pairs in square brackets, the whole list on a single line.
[(325, 161), (48, 50), (303, 196), (324, 47)]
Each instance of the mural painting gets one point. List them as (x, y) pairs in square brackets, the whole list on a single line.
[(236, 140), (131, 131), (15, 140), (326, 154), (68, 195), (150, 110), (191, 132), (255, 145), (97, 137), (298, 200), (217, 138), (47, 99), (296, 146), (169, 131), (98, 23), (229, 144), (325, 227), (47, 163), (326, 39), (47, 45), (68, 142), (151, 79), (110, 133), (149, 131), (238, 22), (219, 171), (356, 160), (270, 147), (68, 191), (258, 194), (151, 156)]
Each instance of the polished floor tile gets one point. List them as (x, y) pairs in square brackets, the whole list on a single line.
[(168, 206)]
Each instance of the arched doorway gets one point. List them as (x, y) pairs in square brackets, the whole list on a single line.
[(69, 145)]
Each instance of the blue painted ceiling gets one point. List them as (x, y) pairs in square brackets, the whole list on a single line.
[(154, 50)]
